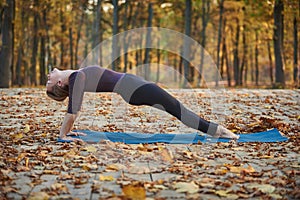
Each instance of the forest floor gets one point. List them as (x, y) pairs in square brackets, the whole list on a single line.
[(33, 165)]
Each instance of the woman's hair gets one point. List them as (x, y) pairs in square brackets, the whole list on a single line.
[(58, 93)]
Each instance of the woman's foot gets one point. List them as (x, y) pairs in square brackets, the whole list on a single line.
[(223, 132)]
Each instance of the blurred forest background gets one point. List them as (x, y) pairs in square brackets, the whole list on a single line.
[(252, 42)]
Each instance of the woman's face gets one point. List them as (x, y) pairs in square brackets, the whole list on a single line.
[(54, 77)]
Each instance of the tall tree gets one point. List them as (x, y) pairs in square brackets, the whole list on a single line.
[(236, 62), (115, 32), (256, 58), (270, 61), (97, 53), (148, 41), (219, 39), (278, 42), (186, 45), (205, 18), (295, 73), (6, 53), (34, 43)]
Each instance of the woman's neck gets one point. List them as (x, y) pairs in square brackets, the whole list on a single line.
[(65, 76)]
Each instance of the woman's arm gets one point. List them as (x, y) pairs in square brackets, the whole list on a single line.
[(67, 126)]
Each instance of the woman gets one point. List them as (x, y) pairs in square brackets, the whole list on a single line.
[(133, 89)]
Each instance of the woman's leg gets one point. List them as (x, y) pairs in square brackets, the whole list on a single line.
[(137, 91), (152, 95)]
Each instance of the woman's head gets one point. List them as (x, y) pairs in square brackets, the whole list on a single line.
[(56, 89), (58, 93)]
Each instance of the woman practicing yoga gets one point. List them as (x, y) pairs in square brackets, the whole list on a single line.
[(133, 89)]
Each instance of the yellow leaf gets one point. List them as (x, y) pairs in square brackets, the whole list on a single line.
[(240, 169), (186, 187), (225, 194), (266, 156), (114, 167), (166, 155), (221, 193), (265, 188), (27, 128), (39, 196), (88, 167), (133, 191), (106, 178), (90, 148), (221, 171), (18, 136)]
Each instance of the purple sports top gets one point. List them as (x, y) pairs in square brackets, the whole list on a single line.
[(90, 79)]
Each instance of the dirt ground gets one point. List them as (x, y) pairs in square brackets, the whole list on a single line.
[(33, 165)]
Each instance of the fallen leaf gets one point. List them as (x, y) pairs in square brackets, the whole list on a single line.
[(226, 194), (106, 178), (265, 188), (114, 167), (134, 191), (241, 169), (18, 136), (60, 187), (88, 167), (166, 155), (26, 129), (186, 187), (90, 148), (39, 196)]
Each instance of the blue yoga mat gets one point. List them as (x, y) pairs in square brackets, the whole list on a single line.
[(188, 138)]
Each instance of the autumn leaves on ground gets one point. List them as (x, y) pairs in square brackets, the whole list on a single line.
[(33, 165)]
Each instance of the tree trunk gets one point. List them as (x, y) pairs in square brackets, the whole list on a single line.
[(96, 35), (270, 62), (219, 40), (256, 58), (295, 52), (278, 42), (115, 32), (225, 58), (158, 60), (63, 30), (71, 47), (125, 39), (43, 77), (252, 65), (148, 42), (78, 37), (49, 63), (7, 44), (35, 44), (236, 54), (245, 54), (186, 45), (205, 18)]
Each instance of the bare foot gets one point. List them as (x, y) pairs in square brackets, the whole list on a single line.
[(223, 132), (72, 133), (72, 139)]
